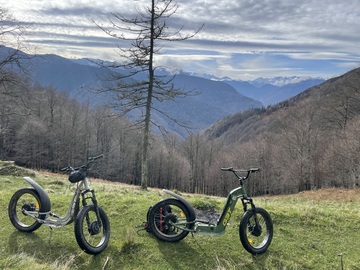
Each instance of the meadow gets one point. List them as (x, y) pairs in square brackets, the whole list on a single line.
[(312, 230)]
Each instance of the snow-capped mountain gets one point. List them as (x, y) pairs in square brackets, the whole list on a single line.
[(280, 81), (268, 91)]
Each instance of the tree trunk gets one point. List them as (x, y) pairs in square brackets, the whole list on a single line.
[(144, 163)]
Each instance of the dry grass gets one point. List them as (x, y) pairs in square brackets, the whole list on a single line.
[(326, 194), (330, 194)]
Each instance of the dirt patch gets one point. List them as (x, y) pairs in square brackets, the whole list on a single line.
[(207, 216)]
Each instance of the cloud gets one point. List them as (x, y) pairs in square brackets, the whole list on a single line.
[(259, 37)]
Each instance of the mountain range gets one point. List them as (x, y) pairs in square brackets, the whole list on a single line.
[(216, 98), (332, 104)]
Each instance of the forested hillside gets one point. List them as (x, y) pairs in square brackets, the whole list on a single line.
[(309, 141)]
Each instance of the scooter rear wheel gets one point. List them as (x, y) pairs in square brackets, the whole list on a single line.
[(25, 199), (168, 220)]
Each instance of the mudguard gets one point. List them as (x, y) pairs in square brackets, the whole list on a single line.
[(186, 203), (44, 198)]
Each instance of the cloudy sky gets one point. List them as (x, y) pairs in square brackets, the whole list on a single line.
[(242, 39)]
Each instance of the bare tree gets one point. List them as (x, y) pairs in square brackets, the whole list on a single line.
[(11, 33), (141, 85), (11, 92)]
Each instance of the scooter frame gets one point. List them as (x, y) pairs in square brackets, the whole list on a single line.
[(172, 219), (91, 224), (48, 218), (205, 227)]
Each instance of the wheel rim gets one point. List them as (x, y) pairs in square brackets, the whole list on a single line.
[(257, 235), (169, 219), (93, 230), (26, 202)]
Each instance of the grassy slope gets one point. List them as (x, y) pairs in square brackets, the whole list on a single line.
[(311, 230)]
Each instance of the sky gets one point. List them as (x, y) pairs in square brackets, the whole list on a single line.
[(240, 39)]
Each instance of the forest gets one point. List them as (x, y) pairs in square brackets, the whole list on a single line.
[(308, 142)]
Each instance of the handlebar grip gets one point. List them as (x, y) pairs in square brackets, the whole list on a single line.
[(227, 169), (67, 169), (96, 157), (254, 170)]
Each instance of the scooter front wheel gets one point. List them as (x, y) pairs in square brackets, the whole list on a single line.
[(92, 235), (168, 220), (256, 230), (25, 200)]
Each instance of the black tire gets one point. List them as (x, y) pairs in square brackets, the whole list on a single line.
[(25, 199), (164, 212), (256, 240), (92, 236)]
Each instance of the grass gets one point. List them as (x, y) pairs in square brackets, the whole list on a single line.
[(312, 230)]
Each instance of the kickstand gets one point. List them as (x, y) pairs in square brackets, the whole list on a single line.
[(143, 226)]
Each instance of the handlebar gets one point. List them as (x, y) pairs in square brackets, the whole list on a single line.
[(231, 169), (237, 171), (85, 167)]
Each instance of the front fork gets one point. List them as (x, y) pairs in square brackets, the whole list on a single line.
[(249, 201), (94, 202), (246, 202)]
